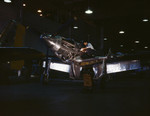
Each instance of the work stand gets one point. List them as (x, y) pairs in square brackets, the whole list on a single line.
[(87, 74)]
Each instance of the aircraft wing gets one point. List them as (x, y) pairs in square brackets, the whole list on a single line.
[(19, 53)]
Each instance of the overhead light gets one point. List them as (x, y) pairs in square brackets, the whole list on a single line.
[(146, 47), (7, 1), (121, 45), (105, 39), (88, 11), (39, 11), (75, 27), (121, 32), (24, 4), (137, 42), (145, 20)]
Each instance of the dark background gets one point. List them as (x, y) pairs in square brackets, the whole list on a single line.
[(108, 18)]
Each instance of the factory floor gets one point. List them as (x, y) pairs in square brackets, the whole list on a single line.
[(123, 96)]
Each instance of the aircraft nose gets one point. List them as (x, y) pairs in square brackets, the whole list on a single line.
[(52, 44)]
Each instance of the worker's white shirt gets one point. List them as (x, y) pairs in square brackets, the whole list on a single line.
[(89, 45)]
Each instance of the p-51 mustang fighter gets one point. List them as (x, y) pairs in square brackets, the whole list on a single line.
[(70, 52)]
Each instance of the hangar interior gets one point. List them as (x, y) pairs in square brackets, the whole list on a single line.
[(35, 81)]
